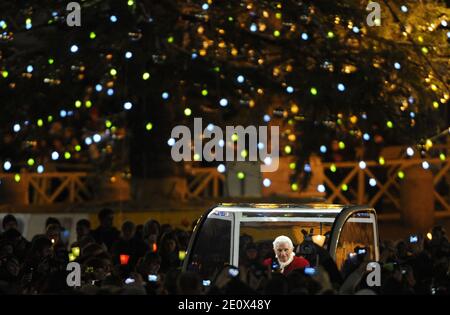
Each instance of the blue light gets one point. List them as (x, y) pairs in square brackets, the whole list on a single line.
[(165, 95), (210, 127), (97, 138), (63, 113), (16, 128), (323, 149), (253, 27), (290, 89), (98, 87), (171, 142), (221, 143), (113, 18), (412, 114), (88, 141), (28, 26), (241, 79), (54, 13), (2, 24), (307, 168), (74, 48), (194, 55), (110, 92), (364, 116), (55, 155), (127, 105), (397, 66), (128, 54), (341, 87), (411, 100), (205, 6), (305, 36), (223, 102), (40, 169), (355, 29), (30, 69), (266, 118), (366, 137), (7, 165)]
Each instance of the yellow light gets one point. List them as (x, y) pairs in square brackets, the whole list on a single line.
[(71, 257), (113, 72), (341, 145), (88, 104), (435, 104), (170, 39), (67, 155), (425, 50), (434, 87), (353, 119), (50, 118), (330, 34), (294, 109), (287, 149), (313, 91), (401, 174), (240, 175), (130, 2), (5, 74), (149, 126), (200, 30), (181, 255), (344, 187), (196, 157), (234, 52), (333, 168), (108, 124), (234, 137), (429, 236), (17, 178), (188, 112), (78, 148), (77, 104), (30, 162), (292, 137), (420, 39), (428, 144), (381, 160), (442, 157), (278, 15), (204, 92), (294, 186), (292, 166), (146, 76), (389, 124), (276, 33), (244, 153), (40, 122), (92, 35)]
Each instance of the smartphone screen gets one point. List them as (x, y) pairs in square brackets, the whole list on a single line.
[(310, 271), (152, 278), (206, 283)]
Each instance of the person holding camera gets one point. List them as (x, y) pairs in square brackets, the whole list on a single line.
[(285, 260)]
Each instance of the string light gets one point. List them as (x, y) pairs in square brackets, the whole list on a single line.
[(7, 165), (74, 48), (221, 168), (267, 182)]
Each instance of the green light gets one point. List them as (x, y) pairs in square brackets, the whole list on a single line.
[(170, 40), (276, 33), (113, 72), (88, 104), (130, 2), (78, 104), (240, 175), (344, 187), (51, 61), (149, 126), (217, 69), (67, 155), (40, 122), (442, 157), (113, 129), (17, 178), (330, 34), (401, 175), (188, 112), (333, 168), (72, 257), (292, 166), (108, 124), (313, 91), (78, 148), (204, 92), (244, 153), (389, 124), (288, 149), (278, 15), (341, 145), (230, 19), (4, 25), (50, 119), (5, 74), (92, 35), (234, 137), (294, 186), (146, 76), (339, 121), (30, 162)]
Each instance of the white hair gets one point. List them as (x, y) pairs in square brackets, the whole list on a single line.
[(282, 239)]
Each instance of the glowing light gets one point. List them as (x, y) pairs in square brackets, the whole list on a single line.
[(330, 34), (196, 157), (165, 95), (78, 148), (204, 92), (17, 178), (266, 118), (261, 146), (276, 33), (321, 188), (341, 145), (223, 102), (30, 68), (355, 29), (149, 126), (110, 92), (241, 175), (113, 72), (341, 87), (51, 61), (221, 143), (404, 8), (292, 166), (40, 122), (92, 35), (88, 104), (63, 113), (221, 168), (372, 182), (113, 18), (381, 160), (323, 149), (7, 165), (267, 160), (3, 24), (307, 168), (401, 174), (210, 127), (266, 182), (234, 137), (146, 76), (244, 153), (5, 74), (127, 105), (287, 149), (88, 141), (74, 48), (366, 136), (429, 236), (333, 168), (97, 138), (240, 79), (205, 6), (305, 36), (55, 155), (98, 87), (187, 112), (67, 155), (410, 151), (389, 124), (78, 104), (253, 27), (16, 128), (362, 165), (130, 2), (442, 157), (290, 89), (397, 66), (171, 142), (425, 165), (313, 91), (294, 186), (30, 162), (40, 169), (28, 24)]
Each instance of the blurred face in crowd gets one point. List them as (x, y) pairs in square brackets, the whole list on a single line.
[(11, 225), (283, 252), (82, 231), (53, 234), (252, 253), (107, 221), (170, 245)]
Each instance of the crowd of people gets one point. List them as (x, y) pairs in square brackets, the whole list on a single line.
[(146, 260)]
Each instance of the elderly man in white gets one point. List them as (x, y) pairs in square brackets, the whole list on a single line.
[(284, 253)]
